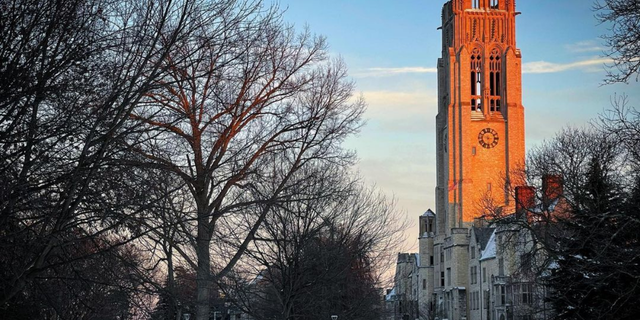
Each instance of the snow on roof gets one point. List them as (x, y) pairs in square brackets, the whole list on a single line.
[(391, 294), (256, 279), (483, 235), (429, 213), (490, 250)]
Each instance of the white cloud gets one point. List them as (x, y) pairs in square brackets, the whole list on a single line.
[(397, 98), (384, 72), (401, 111), (585, 46), (550, 67)]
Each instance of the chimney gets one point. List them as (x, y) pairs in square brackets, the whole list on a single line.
[(525, 199), (551, 189)]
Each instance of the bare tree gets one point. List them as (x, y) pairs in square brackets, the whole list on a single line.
[(623, 19), (72, 71), (248, 102), (322, 253)]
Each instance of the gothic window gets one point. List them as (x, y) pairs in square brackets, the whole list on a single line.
[(495, 91), (476, 80)]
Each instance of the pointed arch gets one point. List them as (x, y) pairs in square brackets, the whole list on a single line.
[(495, 79), (476, 78)]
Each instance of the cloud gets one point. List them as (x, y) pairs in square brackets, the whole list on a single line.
[(401, 111), (384, 72), (550, 67), (411, 100), (585, 46)]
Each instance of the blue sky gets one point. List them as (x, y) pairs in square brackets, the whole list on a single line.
[(391, 48)]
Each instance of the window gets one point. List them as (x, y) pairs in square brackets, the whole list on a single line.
[(473, 151), (476, 80), (474, 275), (442, 255), (484, 275), (523, 293), (431, 260), (473, 252), (475, 300), (495, 90), (424, 284), (494, 4), (449, 276), (476, 4), (442, 279)]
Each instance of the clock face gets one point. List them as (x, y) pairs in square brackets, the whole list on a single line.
[(488, 138)]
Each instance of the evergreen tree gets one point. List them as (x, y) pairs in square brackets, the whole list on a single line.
[(597, 273)]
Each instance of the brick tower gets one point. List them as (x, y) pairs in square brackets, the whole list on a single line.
[(480, 140), (480, 122)]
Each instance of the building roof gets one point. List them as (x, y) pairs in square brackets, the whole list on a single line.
[(483, 234), (429, 213), (391, 295), (490, 251)]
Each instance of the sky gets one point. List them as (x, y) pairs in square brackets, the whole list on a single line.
[(391, 48)]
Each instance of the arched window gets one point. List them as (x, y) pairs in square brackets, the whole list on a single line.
[(476, 80), (495, 89)]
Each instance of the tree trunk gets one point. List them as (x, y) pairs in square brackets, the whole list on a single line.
[(203, 274)]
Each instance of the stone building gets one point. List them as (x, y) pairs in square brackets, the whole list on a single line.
[(467, 269)]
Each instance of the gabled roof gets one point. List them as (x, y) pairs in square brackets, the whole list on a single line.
[(490, 250), (429, 213), (483, 235)]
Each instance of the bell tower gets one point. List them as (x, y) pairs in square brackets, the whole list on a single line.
[(480, 121)]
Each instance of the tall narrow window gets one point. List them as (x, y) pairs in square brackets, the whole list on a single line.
[(476, 4), (495, 68), (476, 80), (494, 4)]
